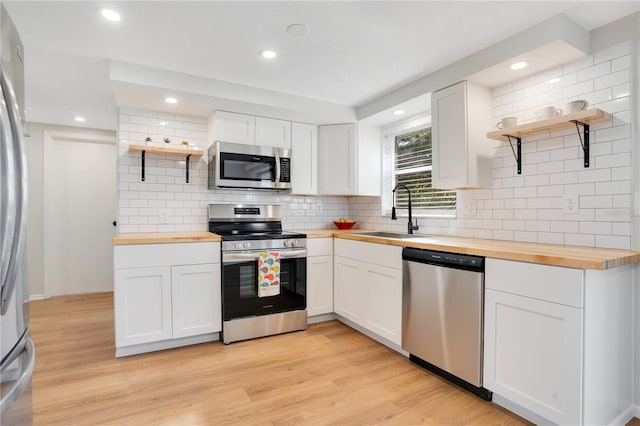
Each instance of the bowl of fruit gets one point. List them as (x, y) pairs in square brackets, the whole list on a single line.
[(344, 223)]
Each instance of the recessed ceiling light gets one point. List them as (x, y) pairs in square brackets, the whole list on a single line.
[(164, 123), (110, 15), (268, 54), (554, 80), (398, 112), (519, 65), (171, 100), (298, 30), (79, 118)]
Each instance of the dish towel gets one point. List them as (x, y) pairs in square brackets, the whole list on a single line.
[(269, 274)]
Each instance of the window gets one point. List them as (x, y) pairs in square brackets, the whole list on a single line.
[(409, 155)]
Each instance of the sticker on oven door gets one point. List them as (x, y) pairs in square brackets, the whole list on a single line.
[(269, 274)]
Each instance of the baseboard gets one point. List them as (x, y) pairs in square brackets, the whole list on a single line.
[(372, 335), (637, 412), (321, 318), (521, 411), (165, 344), (626, 415)]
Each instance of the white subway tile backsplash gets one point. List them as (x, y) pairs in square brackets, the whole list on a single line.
[(613, 52), (563, 178), (594, 175), (622, 201), (599, 96), (592, 72), (621, 63), (596, 201), (613, 215), (614, 187), (550, 238), (578, 90), (579, 240), (613, 241), (613, 133), (582, 63), (605, 162), (621, 229)]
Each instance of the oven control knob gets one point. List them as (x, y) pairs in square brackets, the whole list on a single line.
[(247, 245), (293, 243)]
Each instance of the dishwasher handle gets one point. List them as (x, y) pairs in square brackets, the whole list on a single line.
[(442, 258)]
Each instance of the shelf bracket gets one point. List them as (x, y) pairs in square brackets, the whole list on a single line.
[(584, 142), (187, 166), (143, 157), (517, 155)]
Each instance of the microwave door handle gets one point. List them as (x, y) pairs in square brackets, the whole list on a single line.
[(277, 167)]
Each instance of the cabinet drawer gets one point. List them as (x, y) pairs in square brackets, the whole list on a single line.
[(320, 247), (148, 255), (543, 282), (379, 254)]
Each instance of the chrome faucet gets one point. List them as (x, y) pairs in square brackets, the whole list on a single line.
[(410, 226)]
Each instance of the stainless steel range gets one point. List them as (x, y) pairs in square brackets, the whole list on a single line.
[(264, 272)]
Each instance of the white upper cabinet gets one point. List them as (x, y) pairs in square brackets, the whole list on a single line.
[(232, 127), (462, 154), (250, 130), (272, 132), (349, 160), (304, 162)]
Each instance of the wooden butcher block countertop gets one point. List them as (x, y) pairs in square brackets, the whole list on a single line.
[(164, 237), (546, 254)]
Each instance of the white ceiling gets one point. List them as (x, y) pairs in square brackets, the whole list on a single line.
[(354, 52)]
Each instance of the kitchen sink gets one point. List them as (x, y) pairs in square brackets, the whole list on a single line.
[(388, 235)]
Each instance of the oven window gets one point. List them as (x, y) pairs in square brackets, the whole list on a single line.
[(240, 289), (248, 278), (247, 167)]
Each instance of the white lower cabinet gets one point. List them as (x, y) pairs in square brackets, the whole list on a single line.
[(166, 295), (195, 301), (533, 353), (142, 300), (557, 341), (368, 286), (348, 289), (383, 301), (319, 276)]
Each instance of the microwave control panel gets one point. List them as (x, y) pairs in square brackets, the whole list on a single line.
[(285, 169)]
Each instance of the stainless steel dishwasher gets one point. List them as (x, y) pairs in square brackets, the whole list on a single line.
[(443, 315)]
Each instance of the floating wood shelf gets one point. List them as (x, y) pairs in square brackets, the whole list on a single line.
[(188, 153), (568, 121)]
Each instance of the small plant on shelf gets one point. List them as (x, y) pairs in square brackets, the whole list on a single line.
[(147, 140), (167, 140), (185, 144)]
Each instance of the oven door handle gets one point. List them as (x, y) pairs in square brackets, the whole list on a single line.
[(255, 255)]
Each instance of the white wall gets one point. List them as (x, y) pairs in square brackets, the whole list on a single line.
[(164, 190), (35, 224)]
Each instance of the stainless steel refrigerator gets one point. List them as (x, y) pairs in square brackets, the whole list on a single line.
[(18, 353)]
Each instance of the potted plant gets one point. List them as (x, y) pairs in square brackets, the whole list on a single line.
[(185, 144), (167, 140), (147, 140)]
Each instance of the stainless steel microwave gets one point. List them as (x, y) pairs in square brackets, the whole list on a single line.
[(233, 165)]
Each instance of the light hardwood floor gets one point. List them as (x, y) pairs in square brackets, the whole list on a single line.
[(328, 374)]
